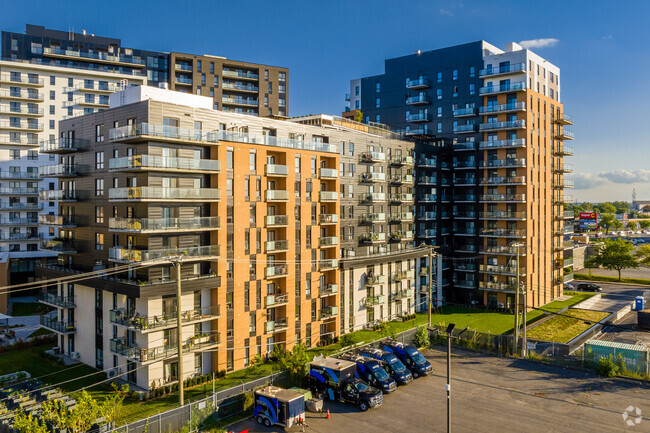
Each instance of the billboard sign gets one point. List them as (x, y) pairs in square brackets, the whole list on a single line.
[(588, 221)]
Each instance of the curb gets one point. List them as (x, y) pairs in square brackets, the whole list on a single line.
[(615, 282)]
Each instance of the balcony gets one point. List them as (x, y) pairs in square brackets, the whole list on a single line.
[(162, 321), (515, 198), (468, 231), (63, 145), (464, 164), (426, 180), (328, 290), (18, 175), (512, 87), (144, 131), (502, 215), (515, 68), (564, 135), (329, 173), (21, 96), (371, 238), (418, 117), (146, 355), (426, 162), (399, 217), (61, 195), (373, 197), (497, 126), (21, 111), (401, 236), (372, 177), (465, 284), (163, 225), (372, 157), (464, 215), (370, 301), (272, 327), (240, 101), (164, 163), (21, 126), (57, 220), (464, 181), (148, 193), (19, 142), (426, 198), (402, 294), (497, 287), (328, 219), (427, 233), (329, 312), (277, 221), (418, 83), (374, 280), (501, 180), (465, 145), (401, 198), (57, 326), (276, 271), (372, 218), (99, 87), (19, 80), (19, 190), (465, 248), (564, 168), (276, 170), (465, 129), (18, 206), (58, 170), (240, 87), (417, 131), (328, 196), (502, 144), (124, 255), (277, 246), (564, 119), (56, 300), (504, 163), (562, 150), (504, 250), (502, 108), (328, 264), (183, 67), (249, 75), (98, 57), (418, 100), (183, 80), (401, 160), (328, 241), (273, 301), (89, 101), (465, 112), (399, 179), (504, 233), (502, 270)]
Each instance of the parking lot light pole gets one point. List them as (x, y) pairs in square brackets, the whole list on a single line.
[(450, 329)]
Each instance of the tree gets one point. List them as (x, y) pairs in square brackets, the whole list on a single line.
[(632, 225), (358, 116), (421, 337), (26, 423), (615, 255), (645, 224), (296, 361), (643, 254), (608, 221), (605, 208)]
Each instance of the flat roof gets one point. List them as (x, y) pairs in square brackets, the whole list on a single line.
[(333, 363)]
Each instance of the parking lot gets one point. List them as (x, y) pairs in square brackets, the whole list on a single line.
[(491, 395)]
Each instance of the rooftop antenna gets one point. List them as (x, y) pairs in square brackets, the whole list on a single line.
[(633, 195)]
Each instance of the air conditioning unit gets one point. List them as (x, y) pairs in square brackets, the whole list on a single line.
[(74, 355), (113, 372)]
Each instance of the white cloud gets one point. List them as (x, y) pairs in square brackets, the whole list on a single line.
[(619, 177), (607, 37), (539, 43), (447, 12)]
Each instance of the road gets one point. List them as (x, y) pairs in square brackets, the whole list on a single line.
[(617, 296), (491, 395)]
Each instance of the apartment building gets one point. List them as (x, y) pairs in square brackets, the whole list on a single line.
[(249, 203), (234, 86), (381, 273), (33, 99), (489, 130)]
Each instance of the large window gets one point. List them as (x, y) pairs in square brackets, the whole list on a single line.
[(99, 187), (99, 160)]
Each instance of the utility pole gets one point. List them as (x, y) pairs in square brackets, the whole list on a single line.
[(430, 303), (176, 261), (515, 245), (450, 329), (524, 348)]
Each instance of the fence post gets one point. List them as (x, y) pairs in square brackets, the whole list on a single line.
[(159, 422), (214, 398), (190, 417)]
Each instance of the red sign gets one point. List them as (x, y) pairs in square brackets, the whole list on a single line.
[(588, 215)]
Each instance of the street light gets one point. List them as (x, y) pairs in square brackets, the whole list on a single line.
[(176, 261), (450, 329), (432, 254)]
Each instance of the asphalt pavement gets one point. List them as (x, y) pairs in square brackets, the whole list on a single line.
[(491, 394), (617, 295)]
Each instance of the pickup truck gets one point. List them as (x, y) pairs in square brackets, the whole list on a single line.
[(336, 380)]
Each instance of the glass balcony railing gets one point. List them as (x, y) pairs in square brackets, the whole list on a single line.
[(332, 218), (277, 220), (277, 195), (240, 101), (163, 162), (328, 196), (502, 108), (57, 195), (426, 162), (504, 232), (240, 74), (120, 316), (510, 124), (373, 280), (58, 326), (329, 289), (426, 216), (57, 220), (99, 56), (328, 264), (373, 197), (160, 131), (239, 86), (372, 157), (58, 170), (502, 69), (329, 173), (328, 241), (464, 128), (370, 301), (59, 301), (502, 269), (368, 238), (276, 271), (494, 144), (427, 233), (372, 218), (144, 225), (277, 246), (19, 190), (465, 145), (63, 145), (503, 197), (134, 255), (401, 160), (426, 198), (502, 88), (157, 193), (372, 177), (497, 215), (508, 162), (461, 112), (401, 178), (418, 100), (20, 79), (19, 94), (501, 180), (418, 117), (418, 83), (276, 170), (36, 126)]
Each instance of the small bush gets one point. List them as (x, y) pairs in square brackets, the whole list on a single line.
[(606, 367), (221, 373), (421, 337), (347, 340)]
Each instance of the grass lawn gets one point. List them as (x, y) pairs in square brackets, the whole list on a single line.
[(29, 308), (555, 306), (571, 323), (606, 278), (40, 332)]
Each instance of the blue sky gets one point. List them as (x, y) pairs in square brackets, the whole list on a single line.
[(601, 48)]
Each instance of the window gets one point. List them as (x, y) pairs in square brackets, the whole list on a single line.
[(198, 66), (99, 214), (472, 71), (440, 77), (216, 81), (282, 76), (32, 155), (252, 160), (439, 127), (266, 74), (99, 160), (70, 82), (266, 100), (439, 93), (454, 74), (378, 87), (99, 187), (439, 111), (52, 95), (356, 90), (203, 79), (53, 124), (378, 103), (356, 104), (351, 148), (229, 156), (99, 241), (472, 89), (377, 118), (455, 91), (52, 109), (99, 133), (14, 153)]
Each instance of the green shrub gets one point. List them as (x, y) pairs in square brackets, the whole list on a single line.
[(347, 340), (421, 337), (606, 367)]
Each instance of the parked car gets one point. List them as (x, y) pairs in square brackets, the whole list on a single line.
[(589, 287), (569, 286)]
